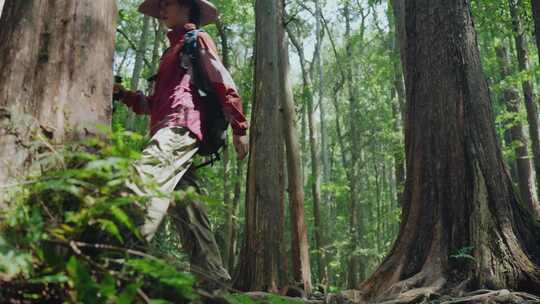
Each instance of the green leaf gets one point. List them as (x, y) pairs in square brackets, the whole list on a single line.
[(111, 228), (124, 219), (128, 294), (86, 289), (166, 274)]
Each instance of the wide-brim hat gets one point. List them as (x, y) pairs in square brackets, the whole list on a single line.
[(209, 12)]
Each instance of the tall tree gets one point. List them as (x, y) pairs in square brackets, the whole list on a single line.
[(517, 137), (55, 74), (231, 208), (398, 104), (355, 267), (458, 194), (398, 10), (528, 90), (299, 239), (261, 254), (138, 67), (536, 16), (307, 93), (319, 34)]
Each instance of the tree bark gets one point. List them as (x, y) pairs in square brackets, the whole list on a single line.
[(459, 197), (517, 137), (299, 239), (158, 33), (138, 67), (398, 9), (55, 74), (528, 90), (536, 17), (318, 229), (261, 254)]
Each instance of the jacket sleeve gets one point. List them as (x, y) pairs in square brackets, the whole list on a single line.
[(137, 101), (221, 81)]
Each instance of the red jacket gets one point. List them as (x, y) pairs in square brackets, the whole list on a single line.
[(176, 101)]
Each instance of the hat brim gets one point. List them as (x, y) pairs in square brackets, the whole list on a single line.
[(209, 12)]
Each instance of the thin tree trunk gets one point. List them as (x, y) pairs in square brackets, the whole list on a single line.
[(158, 33), (536, 17), (518, 140), (122, 62), (398, 112), (299, 239), (458, 196), (530, 104), (320, 91), (222, 31), (137, 68), (398, 9), (55, 75), (232, 222), (398, 106), (354, 225), (307, 84)]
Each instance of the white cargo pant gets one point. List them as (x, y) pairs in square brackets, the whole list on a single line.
[(165, 161)]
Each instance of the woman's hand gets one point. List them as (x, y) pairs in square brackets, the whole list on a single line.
[(241, 144)]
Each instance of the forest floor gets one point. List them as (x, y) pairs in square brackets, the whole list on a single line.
[(414, 296)]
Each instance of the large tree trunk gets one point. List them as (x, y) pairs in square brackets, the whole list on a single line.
[(528, 90), (458, 196), (299, 239), (55, 74), (261, 254), (517, 137)]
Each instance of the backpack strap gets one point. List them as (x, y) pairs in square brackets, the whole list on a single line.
[(189, 58)]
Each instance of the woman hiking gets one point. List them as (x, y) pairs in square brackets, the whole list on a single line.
[(176, 111)]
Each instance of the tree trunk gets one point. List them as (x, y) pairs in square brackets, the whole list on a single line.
[(517, 137), (231, 208), (398, 9), (530, 104), (536, 17), (55, 74), (398, 112), (231, 220), (299, 239), (320, 91), (138, 67), (355, 226), (318, 229), (158, 33), (261, 255), (459, 199)]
